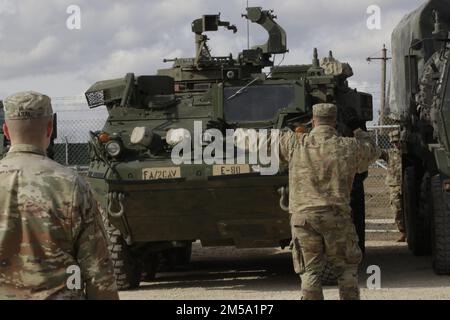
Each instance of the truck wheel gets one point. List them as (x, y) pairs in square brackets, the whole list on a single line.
[(423, 240), (440, 228), (127, 267), (414, 212)]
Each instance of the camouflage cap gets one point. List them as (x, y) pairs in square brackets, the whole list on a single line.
[(27, 105), (325, 110), (394, 136)]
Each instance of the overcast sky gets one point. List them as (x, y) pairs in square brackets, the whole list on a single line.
[(38, 52)]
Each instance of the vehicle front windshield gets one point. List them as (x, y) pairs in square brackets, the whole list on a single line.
[(256, 103)]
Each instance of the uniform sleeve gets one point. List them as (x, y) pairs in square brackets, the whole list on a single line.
[(92, 247), (366, 150), (287, 143)]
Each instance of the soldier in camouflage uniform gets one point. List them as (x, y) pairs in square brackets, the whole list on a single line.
[(322, 167), (394, 181), (52, 242)]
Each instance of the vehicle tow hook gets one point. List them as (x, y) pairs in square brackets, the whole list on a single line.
[(284, 198), (119, 198)]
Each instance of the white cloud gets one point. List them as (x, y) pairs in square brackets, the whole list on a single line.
[(7, 7), (120, 62), (127, 37)]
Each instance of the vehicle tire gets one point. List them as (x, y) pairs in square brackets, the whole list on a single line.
[(417, 230), (127, 267), (423, 238), (440, 227)]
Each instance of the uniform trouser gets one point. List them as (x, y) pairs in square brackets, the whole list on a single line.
[(326, 238), (395, 197)]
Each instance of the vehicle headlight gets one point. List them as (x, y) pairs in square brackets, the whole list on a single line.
[(142, 136), (175, 136), (113, 148)]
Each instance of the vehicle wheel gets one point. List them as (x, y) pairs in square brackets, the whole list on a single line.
[(127, 267), (440, 227), (422, 223), (415, 212)]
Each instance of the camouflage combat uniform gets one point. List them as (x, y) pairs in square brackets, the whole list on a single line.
[(394, 180), (322, 167), (49, 224)]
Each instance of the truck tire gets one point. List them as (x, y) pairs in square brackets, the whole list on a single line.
[(440, 228), (417, 230), (423, 240), (127, 267)]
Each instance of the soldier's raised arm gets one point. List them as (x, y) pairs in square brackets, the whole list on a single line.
[(367, 151), (288, 140), (91, 246)]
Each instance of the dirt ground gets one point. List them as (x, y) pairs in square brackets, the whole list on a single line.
[(267, 274)]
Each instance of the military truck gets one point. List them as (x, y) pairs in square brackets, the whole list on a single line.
[(420, 101), (154, 208)]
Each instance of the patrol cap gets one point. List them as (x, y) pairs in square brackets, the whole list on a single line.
[(324, 110), (27, 105), (394, 136)]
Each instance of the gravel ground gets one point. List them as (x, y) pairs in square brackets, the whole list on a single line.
[(267, 274)]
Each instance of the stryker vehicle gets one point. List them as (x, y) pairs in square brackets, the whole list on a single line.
[(420, 101), (155, 208)]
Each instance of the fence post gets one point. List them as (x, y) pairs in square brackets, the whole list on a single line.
[(376, 137), (67, 150)]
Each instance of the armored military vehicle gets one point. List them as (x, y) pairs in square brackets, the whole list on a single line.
[(156, 208), (420, 101)]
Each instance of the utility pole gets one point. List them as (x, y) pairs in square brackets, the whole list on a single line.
[(384, 59)]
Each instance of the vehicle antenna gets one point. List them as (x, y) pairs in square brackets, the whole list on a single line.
[(248, 29)]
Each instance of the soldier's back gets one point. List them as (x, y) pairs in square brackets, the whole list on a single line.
[(322, 169), (38, 226), (394, 172)]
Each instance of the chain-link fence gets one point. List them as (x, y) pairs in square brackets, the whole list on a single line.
[(71, 146), (377, 193), (75, 120)]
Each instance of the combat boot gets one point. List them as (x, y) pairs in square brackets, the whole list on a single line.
[(402, 238)]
